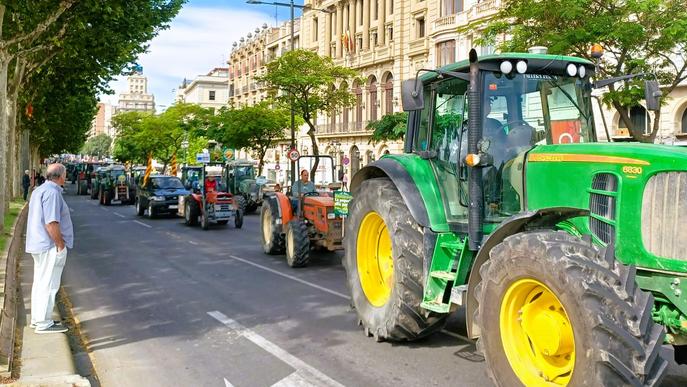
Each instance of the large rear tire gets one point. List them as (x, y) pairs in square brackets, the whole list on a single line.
[(95, 193), (241, 201), (272, 240), (383, 261), (107, 200), (297, 244), (554, 309), (204, 220)]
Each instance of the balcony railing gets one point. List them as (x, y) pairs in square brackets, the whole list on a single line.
[(475, 12), (343, 128)]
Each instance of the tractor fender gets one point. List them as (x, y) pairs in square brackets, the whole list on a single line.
[(281, 206), (402, 180), (545, 218)]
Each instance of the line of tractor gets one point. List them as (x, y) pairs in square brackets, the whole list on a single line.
[(567, 255)]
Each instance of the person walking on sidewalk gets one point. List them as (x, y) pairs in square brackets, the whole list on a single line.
[(49, 233), (26, 183)]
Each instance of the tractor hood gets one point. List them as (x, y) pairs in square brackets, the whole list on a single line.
[(650, 156)]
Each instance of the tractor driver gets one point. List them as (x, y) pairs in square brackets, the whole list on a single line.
[(301, 187), (210, 184)]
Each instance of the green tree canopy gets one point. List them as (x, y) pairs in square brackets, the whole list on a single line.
[(254, 127), (97, 146), (391, 127), (639, 36), (307, 80)]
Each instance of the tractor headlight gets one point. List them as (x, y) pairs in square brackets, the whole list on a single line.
[(157, 198), (521, 66), (582, 71), (506, 67), (572, 69)]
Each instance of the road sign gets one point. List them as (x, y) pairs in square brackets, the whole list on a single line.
[(203, 157), (277, 167), (346, 160), (228, 154), (293, 154), (341, 200)]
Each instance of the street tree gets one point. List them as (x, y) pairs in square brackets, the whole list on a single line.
[(98, 146), (255, 127), (92, 39), (639, 36), (391, 127), (131, 143), (306, 82)]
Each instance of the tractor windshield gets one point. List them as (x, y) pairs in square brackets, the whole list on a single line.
[(245, 172)]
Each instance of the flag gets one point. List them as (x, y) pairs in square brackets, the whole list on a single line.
[(174, 164), (351, 45), (149, 168)]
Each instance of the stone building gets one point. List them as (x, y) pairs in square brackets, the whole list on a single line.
[(210, 90), (136, 98)]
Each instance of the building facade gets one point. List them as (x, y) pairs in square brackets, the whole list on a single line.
[(388, 41), (102, 122), (136, 98), (210, 90)]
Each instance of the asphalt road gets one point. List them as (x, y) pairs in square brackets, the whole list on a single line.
[(162, 304)]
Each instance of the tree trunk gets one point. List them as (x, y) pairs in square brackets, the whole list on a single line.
[(4, 204), (13, 129), (315, 149)]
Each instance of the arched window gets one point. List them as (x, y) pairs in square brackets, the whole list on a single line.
[(358, 91), (389, 94), (640, 119), (345, 111), (355, 159), (684, 122), (372, 105)]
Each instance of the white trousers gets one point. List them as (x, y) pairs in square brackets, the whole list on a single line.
[(47, 272)]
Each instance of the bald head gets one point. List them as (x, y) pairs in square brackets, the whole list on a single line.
[(56, 172)]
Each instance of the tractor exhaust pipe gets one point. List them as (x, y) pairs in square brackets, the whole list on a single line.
[(476, 200)]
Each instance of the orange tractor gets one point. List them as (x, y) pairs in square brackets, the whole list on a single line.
[(209, 201), (298, 221)]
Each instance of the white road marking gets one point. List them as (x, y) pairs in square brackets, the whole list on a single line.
[(143, 224), (227, 383), (103, 208), (293, 380), (292, 278), (193, 243), (118, 214), (306, 373)]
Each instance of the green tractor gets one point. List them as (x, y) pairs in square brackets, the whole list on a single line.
[(98, 175), (567, 255), (243, 185), (114, 186)]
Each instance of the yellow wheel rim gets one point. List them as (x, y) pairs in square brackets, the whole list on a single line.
[(375, 259), (537, 335)]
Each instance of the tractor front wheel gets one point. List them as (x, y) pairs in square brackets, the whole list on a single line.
[(297, 244), (272, 239), (190, 212), (383, 262), (554, 310), (107, 200), (238, 219), (204, 221), (241, 203)]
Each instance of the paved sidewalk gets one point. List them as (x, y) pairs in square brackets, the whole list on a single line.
[(45, 360)]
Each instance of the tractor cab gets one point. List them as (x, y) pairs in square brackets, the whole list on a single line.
[(241, 180), (97, 177), (303, 217), (209, 201), (136, 175), (113, 185), (190, 177)]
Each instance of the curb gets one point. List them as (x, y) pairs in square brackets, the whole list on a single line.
[(8, 303)]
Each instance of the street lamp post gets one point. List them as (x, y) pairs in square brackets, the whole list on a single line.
[(292, 7)]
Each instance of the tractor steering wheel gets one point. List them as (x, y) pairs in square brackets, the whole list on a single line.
[(314, 193), (512, 124)]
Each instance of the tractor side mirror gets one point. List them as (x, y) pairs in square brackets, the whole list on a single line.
[(412, 97), (652, 95)]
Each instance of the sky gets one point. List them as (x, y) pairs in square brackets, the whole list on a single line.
[(197, 40)]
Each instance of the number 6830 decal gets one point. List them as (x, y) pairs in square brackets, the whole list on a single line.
[(632, 170)]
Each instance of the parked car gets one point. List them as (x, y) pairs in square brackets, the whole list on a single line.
[(159, 195)]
